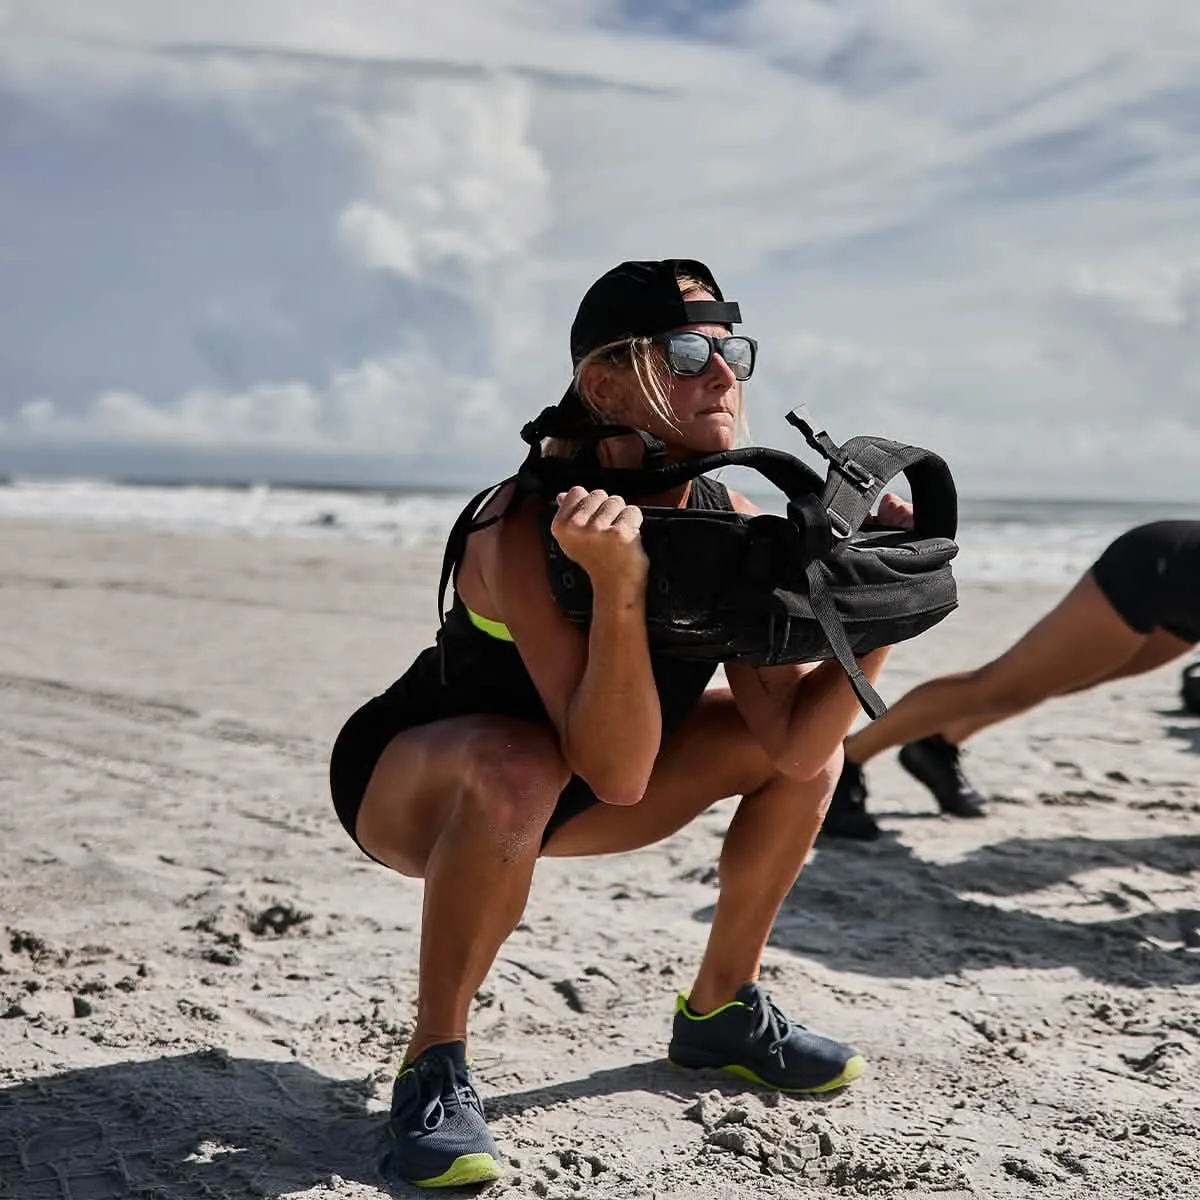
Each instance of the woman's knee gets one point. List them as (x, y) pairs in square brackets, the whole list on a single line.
[(816, 790), (497, 777), (510, 782)]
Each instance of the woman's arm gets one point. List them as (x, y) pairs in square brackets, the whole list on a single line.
[(597, 684)]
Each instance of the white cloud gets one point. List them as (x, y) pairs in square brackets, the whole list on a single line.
[(550, 36), (1150, 291), (453, 180), (385, 406)]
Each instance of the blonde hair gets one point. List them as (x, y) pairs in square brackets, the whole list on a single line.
[(649, 369)]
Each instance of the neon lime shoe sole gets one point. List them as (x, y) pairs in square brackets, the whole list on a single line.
[(465, 1170), (853, 1070)]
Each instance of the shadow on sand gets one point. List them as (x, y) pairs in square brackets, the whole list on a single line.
[(877, 909), (212, 1126), (188, 1126), (1185, 729)]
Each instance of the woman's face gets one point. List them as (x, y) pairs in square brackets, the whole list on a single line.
[(706, 406)]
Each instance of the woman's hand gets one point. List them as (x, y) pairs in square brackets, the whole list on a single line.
[(602, 534), (893, 513)]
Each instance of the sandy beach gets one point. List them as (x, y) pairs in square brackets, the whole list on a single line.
[(205, 988)]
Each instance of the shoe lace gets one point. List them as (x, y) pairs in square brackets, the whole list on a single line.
[(439, 1084), (770, 1023)]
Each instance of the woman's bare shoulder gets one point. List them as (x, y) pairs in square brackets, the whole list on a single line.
[(502, 553)]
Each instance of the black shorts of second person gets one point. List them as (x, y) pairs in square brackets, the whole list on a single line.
[(1151, 577)]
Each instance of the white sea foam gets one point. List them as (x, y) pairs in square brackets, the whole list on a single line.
[(1001, 541)]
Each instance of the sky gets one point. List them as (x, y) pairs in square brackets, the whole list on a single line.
[(298, 241)]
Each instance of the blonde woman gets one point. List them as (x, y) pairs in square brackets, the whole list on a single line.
[(521, 734)]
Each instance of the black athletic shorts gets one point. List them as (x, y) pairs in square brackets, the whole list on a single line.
[(364, 738), (1151, 576), (480, 675)]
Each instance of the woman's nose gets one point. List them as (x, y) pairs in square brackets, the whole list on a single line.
[(719, 375)]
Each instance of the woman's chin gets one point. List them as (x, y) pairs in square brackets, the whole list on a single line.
[(713, 440), (713, 431), (704, 435)]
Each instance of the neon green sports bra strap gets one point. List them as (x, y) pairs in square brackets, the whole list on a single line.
[(487, 625)]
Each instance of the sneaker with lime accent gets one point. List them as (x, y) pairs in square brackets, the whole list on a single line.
[(436, 1135), (751, 1038)]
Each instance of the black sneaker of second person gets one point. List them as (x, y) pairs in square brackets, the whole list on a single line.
[(937, 764), (847, 816)]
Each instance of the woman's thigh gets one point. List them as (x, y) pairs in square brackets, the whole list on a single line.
[(1076, 645), (1158, 648), (426, 772), (711, 756)]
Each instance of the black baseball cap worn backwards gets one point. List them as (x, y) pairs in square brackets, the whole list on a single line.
[(642, 298)]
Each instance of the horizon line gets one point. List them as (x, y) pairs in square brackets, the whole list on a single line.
[(248, 483)]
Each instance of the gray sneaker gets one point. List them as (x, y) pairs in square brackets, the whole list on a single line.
[(751, 1038), (436, 1135)]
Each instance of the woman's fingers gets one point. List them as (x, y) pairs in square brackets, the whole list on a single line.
[(595, 509), (630, 517), (895, 512), (576, 506), (598, 531), (607, 513)]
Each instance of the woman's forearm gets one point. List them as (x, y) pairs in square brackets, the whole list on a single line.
[(614, 720)]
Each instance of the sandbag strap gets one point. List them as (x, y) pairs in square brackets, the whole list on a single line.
[(860, 469), (837, 456), (549, 476), (554, 421), (827, 617), (557, 422)]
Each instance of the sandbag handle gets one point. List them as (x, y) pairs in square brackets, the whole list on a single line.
[(862, 467), (549, 476)]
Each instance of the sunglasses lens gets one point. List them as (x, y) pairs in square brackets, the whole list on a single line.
[(687, 353), (739, 354)]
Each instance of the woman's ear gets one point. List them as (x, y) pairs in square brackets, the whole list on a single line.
[(602, 384)]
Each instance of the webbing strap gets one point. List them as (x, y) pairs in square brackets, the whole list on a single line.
[(935, 502), (831, 625), (549, 476), (860, 469)]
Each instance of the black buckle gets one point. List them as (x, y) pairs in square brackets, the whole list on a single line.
[(838, 525), (856, 473)]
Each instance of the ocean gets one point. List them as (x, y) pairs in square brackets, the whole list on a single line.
[(1001, 541)]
